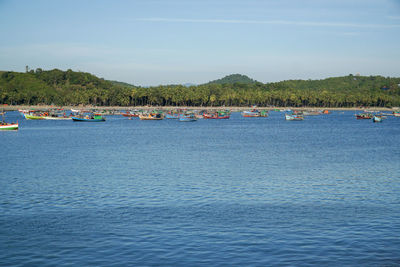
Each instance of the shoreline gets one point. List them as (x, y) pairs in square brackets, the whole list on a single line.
[(45, 107)]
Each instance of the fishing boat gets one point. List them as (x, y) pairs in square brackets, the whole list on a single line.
[(172, 116), (33, 117), (294, 117), (364, 116), (58, 118), (254, 113), (151, 116), (217, 115), (377, 119), (87, 118), (396, 113), (188, 118), (311, 113), (6, 126), (131, 114)]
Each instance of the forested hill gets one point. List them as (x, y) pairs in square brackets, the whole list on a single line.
[(73, 88), (234, 78)]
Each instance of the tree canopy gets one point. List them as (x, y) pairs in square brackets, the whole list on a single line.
[(73, 88), (234, 78)]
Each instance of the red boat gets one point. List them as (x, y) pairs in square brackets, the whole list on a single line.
[(364, 116), (130, 114)]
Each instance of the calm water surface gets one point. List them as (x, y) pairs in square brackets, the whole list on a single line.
[(238, 192)]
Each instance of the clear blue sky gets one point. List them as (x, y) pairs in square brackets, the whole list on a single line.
[(152, 42)]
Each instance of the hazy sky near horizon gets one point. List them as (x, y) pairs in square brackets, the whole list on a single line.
[(152, 42)]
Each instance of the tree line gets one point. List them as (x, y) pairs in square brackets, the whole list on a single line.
[(56, 87)]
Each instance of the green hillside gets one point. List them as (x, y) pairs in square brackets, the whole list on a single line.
[(234, 78), (73, 88)]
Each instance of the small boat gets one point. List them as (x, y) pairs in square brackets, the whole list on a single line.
[(254, 113), (87, 118), (217, 115), (151, 116), (4, 126), (364, 116), (172, 116), (294, 117), (188, 118), (33, 117), (396, 113), (130, 114), (58, 118), (377, 119), (311, 113)]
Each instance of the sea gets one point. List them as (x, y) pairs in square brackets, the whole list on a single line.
[(238, 192)]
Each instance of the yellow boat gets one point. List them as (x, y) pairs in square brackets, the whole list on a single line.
[(151, 116)]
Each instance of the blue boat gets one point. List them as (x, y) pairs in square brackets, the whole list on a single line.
[(187, 118), (95, 118), (172, 116)]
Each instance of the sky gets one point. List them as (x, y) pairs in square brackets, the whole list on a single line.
[(153, 42)]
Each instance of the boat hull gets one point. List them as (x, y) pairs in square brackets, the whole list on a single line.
[(187, 119), (87, 120), (9, 127), (130, 115), (377, 119), (33, 117), (211, 117), (172, 117), (57, 118), (150, 118), (293, 117)]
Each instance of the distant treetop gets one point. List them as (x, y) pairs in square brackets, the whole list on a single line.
[(234, 78)]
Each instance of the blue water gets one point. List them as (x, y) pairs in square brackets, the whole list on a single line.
[(240, 192)]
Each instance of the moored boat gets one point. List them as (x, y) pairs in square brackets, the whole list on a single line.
[(87, 118), (130, 114), (254, 113), (4, 126), (172, 116), (311, 113), (377, 119), (364, 116), (217, 115), (188, 118), (58, 118), (33, 117), (294, 117), (7, 126), (151, 116)]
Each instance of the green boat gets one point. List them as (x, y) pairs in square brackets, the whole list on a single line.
[(8, 126), (95, 118), (33, 117)]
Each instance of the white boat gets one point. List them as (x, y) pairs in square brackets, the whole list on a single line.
[(56, 118), (293, 117), (377, 119)]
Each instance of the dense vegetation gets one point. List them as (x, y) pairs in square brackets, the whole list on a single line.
[(74, 88), (234, 78)]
